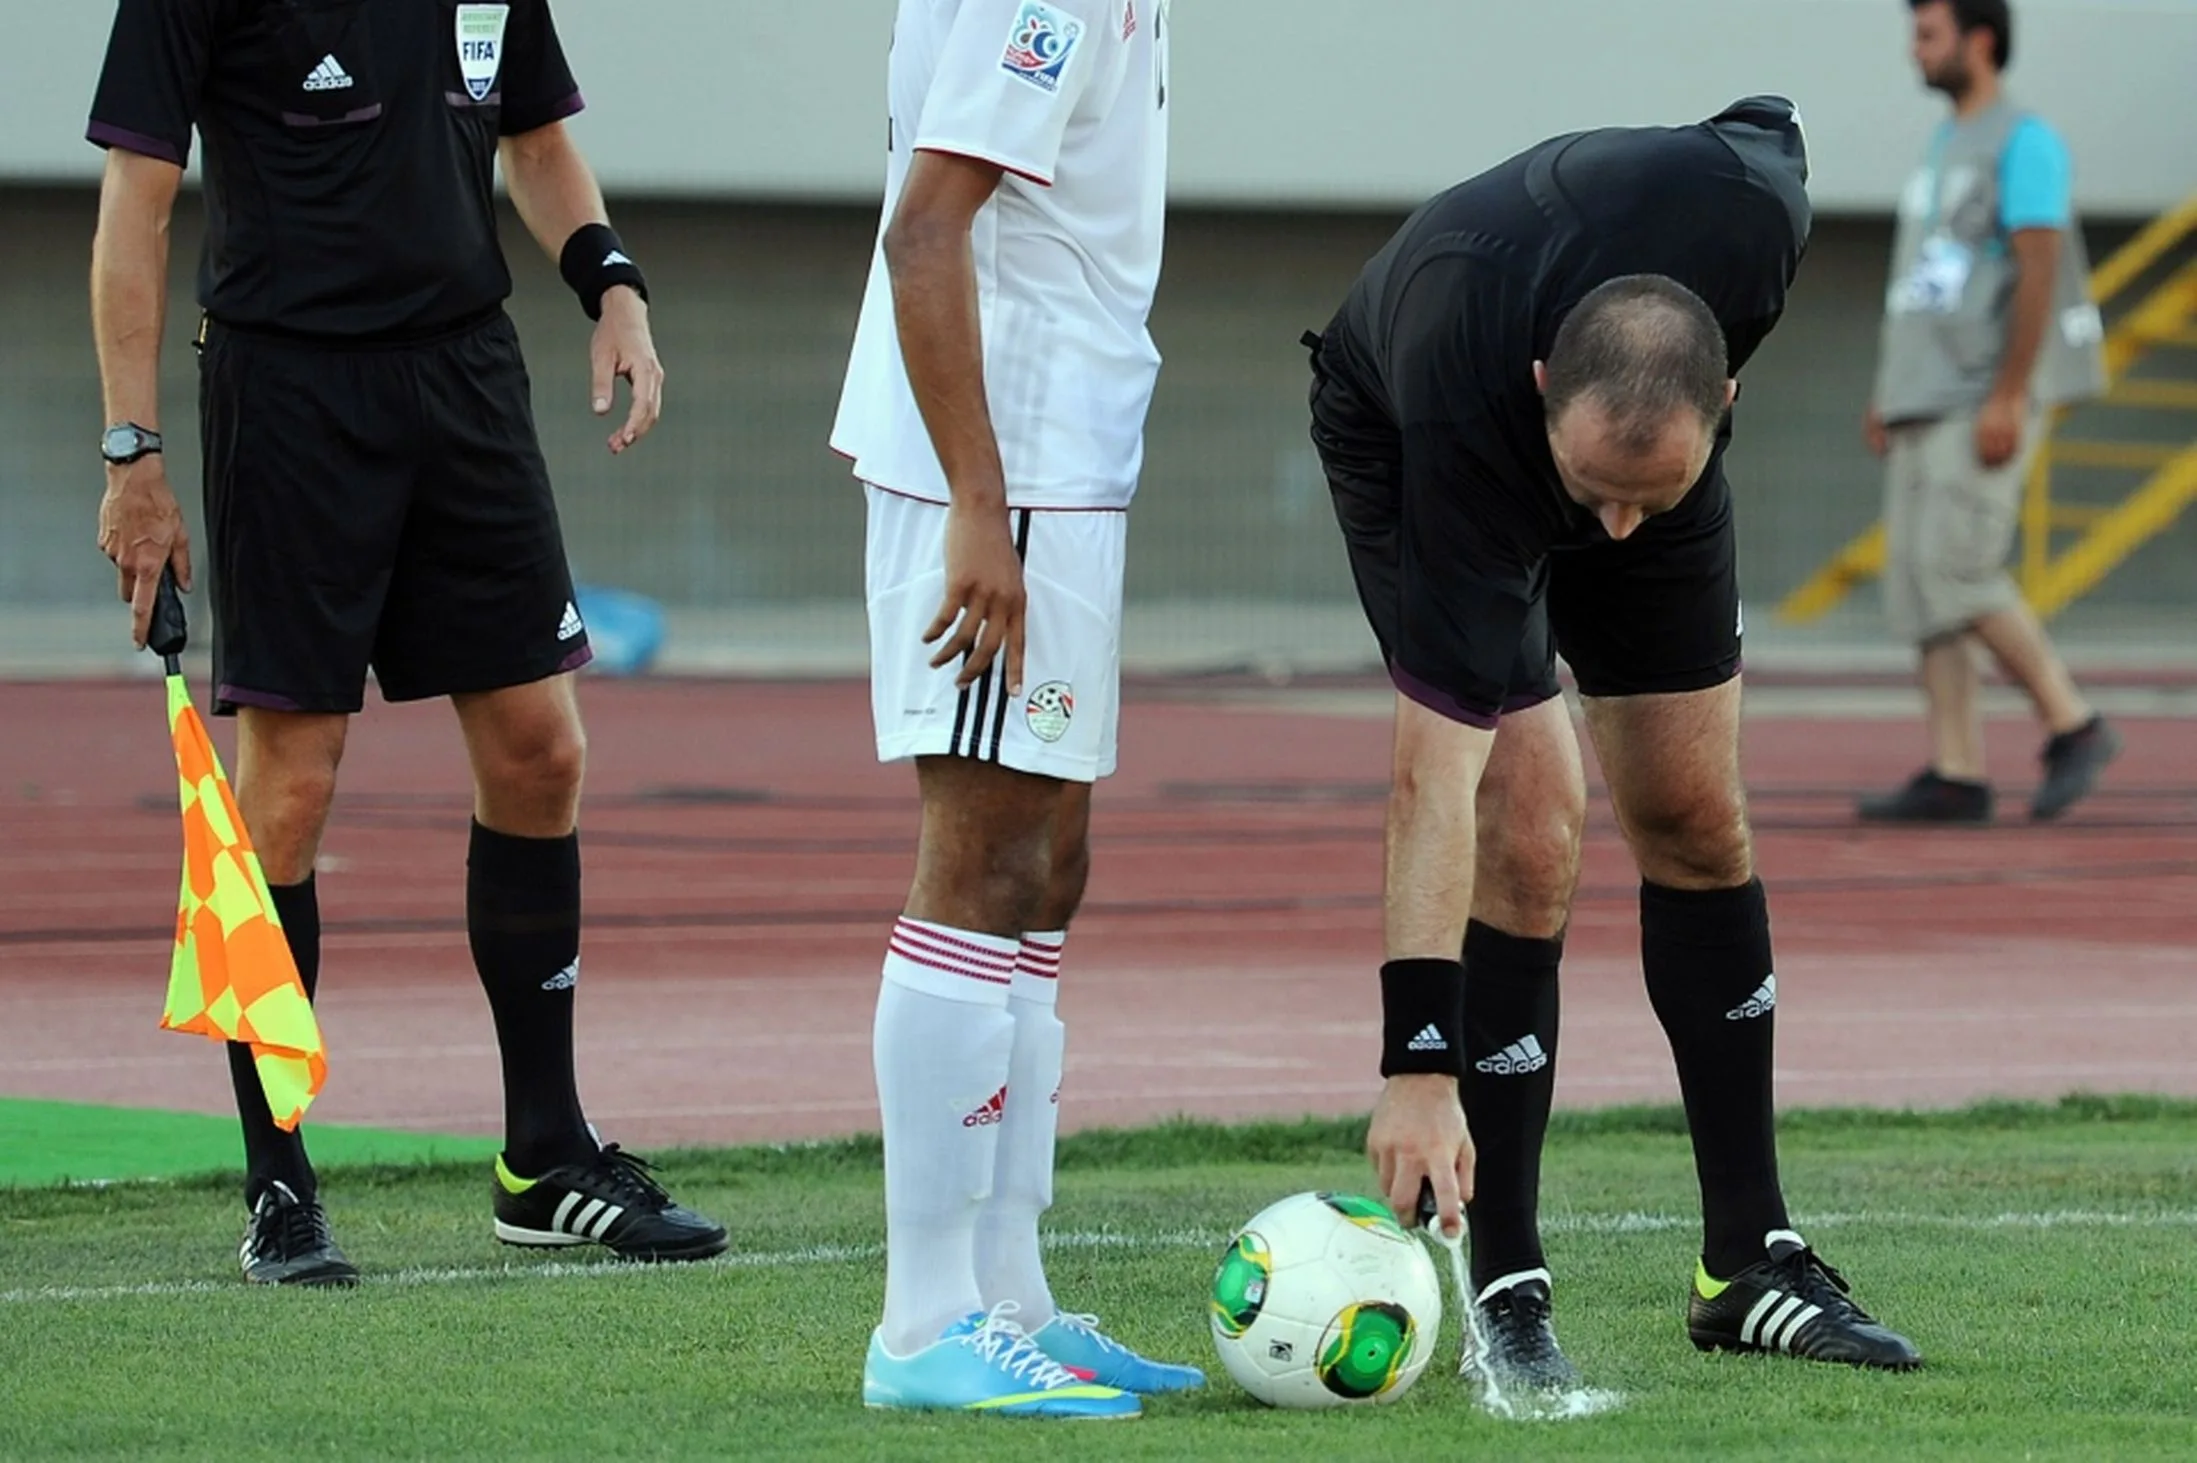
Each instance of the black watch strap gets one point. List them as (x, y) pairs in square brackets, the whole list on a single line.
[(126, 442)]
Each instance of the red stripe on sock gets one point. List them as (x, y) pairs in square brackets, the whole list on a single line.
[(920, 957), (939, 939)]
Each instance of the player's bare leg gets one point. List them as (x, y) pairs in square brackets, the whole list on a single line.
[(1531, 811), (1673, 768), (522, 914), (984, 854)]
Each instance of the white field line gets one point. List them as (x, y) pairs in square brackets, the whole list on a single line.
[(1615, 1224)]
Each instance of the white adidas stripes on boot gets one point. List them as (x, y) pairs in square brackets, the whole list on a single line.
[(942, 1046), (1009, 1266)]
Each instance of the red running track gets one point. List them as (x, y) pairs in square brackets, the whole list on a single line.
[(745, 854)]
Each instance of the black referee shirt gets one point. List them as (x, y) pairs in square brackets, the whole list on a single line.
[(350, 148), (1439, 335), (1444, 325)]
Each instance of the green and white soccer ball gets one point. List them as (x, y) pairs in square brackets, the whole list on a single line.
[(1323, 1300)]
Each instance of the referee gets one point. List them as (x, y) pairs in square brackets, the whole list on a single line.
[(375, 495), (1522, 408)]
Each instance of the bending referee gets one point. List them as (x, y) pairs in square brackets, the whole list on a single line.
[(375, 496), (1522, 408)]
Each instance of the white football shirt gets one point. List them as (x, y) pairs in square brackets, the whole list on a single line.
[(1070, 97)]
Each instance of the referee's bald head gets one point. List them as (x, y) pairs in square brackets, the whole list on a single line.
[(1643, 346), (1635, 386)]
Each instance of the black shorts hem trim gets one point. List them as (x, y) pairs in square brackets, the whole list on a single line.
[(487, 678), (1439, 702), (1672, 683), (230, 699)]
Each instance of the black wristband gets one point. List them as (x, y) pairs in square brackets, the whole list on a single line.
[(1423, 1018), (594, 263)]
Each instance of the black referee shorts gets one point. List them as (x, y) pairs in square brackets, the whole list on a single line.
[(1657, 613), (382, 506)]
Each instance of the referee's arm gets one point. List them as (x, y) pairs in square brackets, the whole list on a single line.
[(140, 527), (557, 196)]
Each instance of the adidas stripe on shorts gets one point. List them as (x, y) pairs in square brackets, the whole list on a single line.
[(1065, 721)]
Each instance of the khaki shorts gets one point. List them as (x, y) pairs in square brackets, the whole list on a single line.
[(1949, 526)]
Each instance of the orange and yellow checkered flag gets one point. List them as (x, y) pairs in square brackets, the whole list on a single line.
[(233, 978)]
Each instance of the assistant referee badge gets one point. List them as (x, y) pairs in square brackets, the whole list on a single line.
[(480, 47), (1050, 708)]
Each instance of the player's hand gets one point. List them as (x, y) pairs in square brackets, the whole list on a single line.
[(1999, 430), (1873, 433), (984, 602), (1418, 1136), (141, 530), (623, 349)]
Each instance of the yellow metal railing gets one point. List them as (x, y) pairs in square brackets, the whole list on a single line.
[(2168, 316)]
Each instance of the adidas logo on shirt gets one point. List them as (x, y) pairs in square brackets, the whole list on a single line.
[(571, 625), (1428, 1040), (329, 75), (994, 1110), (565, 979), (1761, 1003), (1516, 1060)]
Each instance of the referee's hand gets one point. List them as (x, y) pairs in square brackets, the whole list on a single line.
[(984, 602), (1418, 1136), (624, 349), (141, 530)]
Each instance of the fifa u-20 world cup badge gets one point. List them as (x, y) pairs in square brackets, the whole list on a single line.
[(480, 47), (1039, 44)]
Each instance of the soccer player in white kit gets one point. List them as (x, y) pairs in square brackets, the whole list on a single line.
[(994, 411)]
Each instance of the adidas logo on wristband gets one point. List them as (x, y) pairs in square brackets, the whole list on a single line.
[(1428, 1040)]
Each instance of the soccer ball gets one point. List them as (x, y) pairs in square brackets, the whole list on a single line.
[(1322, 1300)]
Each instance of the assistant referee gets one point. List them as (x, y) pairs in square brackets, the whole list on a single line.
[(375, 495)]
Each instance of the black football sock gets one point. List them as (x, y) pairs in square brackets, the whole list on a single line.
[(522, 913), (1509, 1080), (269, 1153), (1710, 978)]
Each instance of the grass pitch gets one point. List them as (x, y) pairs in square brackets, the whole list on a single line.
[(2042, 1257)]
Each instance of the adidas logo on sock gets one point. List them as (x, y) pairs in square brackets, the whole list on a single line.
[(329, 75), (994, 1110), (1520, 1057), (1761, 1003), (565, 979), (1428, 1040), (571, 625)]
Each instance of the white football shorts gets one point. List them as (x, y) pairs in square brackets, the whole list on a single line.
[(1064, 723)]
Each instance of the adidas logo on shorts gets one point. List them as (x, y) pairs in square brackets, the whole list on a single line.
[(1761, 1003), (1428, 1040), (1516, 1060), (571, 625), (993, 1111)]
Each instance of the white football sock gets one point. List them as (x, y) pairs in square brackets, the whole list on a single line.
[(1008, 1263), (942, 1046)]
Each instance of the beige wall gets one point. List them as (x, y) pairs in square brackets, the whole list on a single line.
[(1306, 102)]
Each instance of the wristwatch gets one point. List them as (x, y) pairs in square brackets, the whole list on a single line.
[(128, 442)]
